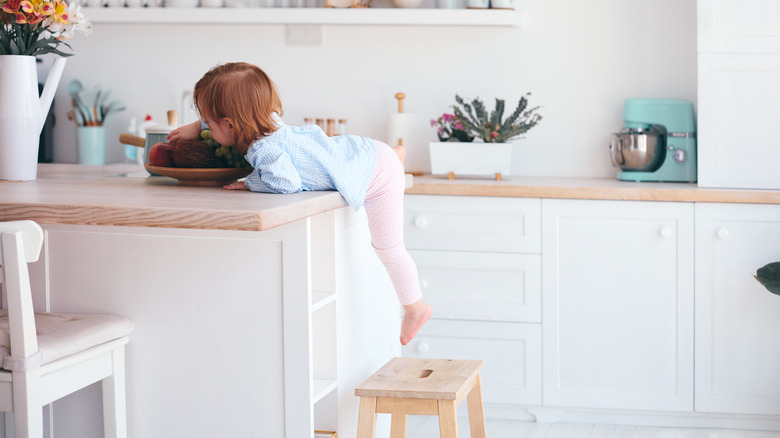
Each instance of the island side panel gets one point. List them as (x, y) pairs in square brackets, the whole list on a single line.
[(368, 322), (206, 355)]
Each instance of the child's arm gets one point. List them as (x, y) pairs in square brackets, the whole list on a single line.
[(238, 185), (190, 131)]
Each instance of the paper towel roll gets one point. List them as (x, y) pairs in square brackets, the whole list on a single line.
[(416, 132)]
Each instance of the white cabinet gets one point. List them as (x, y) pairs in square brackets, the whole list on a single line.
[(618, 304), (479, 265), (737, 319), (739, 93), (739, 105), (745, 26)]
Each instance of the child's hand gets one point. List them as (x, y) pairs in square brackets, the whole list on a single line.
[(239, 185), (185, 132)]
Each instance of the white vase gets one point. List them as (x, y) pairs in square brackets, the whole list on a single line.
[(22, 114), (477, 4), (470, 159)]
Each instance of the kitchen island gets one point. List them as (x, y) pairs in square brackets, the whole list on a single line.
[(254, 314)]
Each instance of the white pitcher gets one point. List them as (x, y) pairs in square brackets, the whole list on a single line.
[(23, 113)]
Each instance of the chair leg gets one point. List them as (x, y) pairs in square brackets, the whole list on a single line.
[(367, 418), (114, 399), (28, 410), (448, 419), (398, 426), (476, 411)]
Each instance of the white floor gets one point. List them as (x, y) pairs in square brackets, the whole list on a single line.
[(428, 427)]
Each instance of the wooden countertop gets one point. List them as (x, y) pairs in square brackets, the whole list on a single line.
[(588, 188), (125, 195)]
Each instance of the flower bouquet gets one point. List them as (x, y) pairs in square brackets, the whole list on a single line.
[(38, 27), (450, 128)]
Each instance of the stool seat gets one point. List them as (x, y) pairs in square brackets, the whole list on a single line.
[(411, 386)]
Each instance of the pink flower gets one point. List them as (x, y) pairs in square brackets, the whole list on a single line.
[(11, 6)]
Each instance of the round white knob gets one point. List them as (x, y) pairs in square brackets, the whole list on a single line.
[(679, 155), (723, 232), (423, 347), (423, 284), (665, 232), (420, 221)]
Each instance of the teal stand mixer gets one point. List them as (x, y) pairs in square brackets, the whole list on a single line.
[(658, 142)]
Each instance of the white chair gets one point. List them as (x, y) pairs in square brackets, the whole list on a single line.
[(46, 356)]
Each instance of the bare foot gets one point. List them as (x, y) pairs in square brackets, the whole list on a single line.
[(400, 150), (415, 316)]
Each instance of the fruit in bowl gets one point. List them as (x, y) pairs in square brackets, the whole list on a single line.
[(203, 153), (198, 162), (161, 154)]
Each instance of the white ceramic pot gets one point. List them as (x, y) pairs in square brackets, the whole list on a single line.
[(22, 114), (470, 159)]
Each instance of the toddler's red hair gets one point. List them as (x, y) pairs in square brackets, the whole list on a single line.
[(242, 92)]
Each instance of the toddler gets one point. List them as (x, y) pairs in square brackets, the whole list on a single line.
[(241, 107)]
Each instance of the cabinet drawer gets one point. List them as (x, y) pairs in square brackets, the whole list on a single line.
[(472, 223), (481, 286), (511, 352)]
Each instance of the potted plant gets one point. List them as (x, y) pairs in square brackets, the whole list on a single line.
[(450, 128), (455, 154)]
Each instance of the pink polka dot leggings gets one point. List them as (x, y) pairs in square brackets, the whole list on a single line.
[(384, 207)]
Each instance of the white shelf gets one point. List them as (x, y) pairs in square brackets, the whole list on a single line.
[(321, 299), (336, 16), (323, 387)]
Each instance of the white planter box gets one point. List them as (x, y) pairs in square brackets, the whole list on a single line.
[(471, 159)]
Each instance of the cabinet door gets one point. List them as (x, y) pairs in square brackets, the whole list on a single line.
[(739, 105), (617, 306), (745, 26), (737, 319)]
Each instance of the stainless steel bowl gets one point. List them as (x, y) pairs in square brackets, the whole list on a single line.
[(638, 149)]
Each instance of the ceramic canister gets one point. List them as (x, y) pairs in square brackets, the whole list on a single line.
[(154, 135)]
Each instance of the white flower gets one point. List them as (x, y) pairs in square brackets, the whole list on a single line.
[(77, 23)]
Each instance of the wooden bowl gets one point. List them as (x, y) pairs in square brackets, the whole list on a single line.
[(215, 177)]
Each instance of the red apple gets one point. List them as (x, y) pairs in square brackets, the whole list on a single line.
[(161, 154)]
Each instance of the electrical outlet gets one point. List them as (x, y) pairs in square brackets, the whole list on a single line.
[(304, 35)]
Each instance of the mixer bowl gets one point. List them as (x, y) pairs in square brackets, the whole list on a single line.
[(639, 150)]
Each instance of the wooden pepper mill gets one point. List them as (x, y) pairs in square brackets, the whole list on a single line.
[(400, 97)]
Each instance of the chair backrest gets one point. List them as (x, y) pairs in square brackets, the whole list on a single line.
[(20, 243)]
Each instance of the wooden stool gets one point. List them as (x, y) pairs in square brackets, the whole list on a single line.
[(408, 386)]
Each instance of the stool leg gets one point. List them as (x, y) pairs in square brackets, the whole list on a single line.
[(367, 418), (448, 419), (476, 410), (398, 426)]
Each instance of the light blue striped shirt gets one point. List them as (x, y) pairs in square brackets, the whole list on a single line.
[(302, 158)]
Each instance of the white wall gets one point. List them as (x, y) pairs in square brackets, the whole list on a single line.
[(579, 59)]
